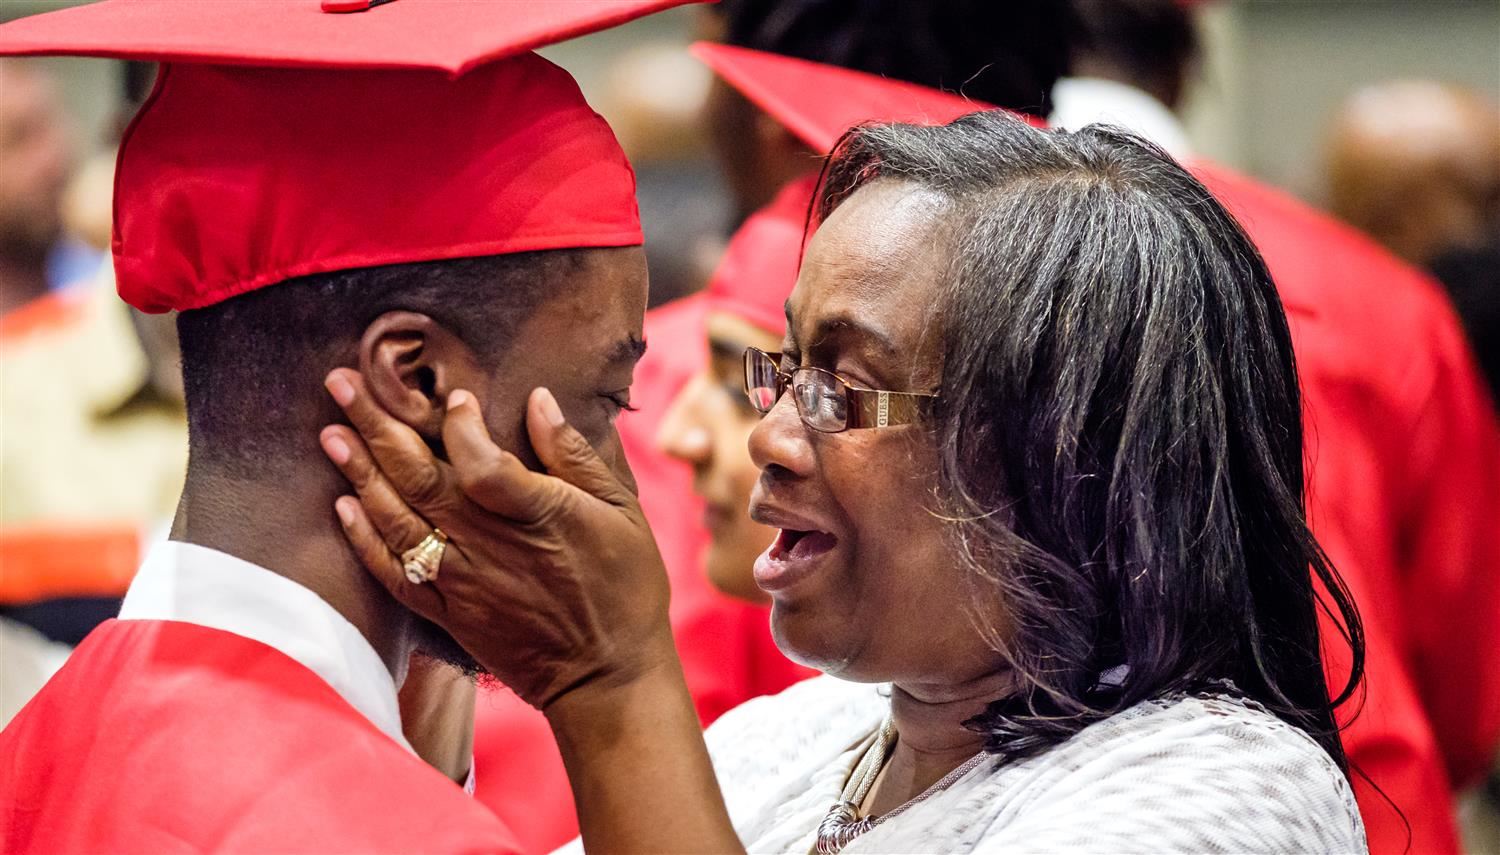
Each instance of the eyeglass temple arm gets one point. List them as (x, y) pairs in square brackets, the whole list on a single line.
[(873, 409)]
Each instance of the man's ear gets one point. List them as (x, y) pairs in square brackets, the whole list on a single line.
[(410, 363)]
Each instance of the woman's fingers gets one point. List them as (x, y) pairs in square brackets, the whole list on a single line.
[(491, 477), (399, 451), (400, 526), (567, 455), (376, 555)]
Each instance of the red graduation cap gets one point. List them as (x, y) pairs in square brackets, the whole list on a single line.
[(284, 139), (818, 103)]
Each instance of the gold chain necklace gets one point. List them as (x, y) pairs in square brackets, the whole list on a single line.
[(843, 822)]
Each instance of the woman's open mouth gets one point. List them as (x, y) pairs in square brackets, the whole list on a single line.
[(792, 556)]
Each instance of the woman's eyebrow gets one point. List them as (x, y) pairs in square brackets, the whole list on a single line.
[(840, 326), (847, 328)]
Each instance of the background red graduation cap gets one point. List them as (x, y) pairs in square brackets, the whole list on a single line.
[(818, 103), (284, 139)]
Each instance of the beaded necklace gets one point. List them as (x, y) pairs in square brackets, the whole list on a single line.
[(843, 822)]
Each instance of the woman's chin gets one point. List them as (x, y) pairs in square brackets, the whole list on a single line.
[(808, 639)]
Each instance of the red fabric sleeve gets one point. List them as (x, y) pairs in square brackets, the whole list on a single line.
[(1450, 545)]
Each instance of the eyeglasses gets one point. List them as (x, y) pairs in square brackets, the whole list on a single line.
[(825, 401)]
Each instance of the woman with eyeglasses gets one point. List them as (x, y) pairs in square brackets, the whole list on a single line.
[(1032, 447)]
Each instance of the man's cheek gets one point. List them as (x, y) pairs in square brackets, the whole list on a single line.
[(507, 427)]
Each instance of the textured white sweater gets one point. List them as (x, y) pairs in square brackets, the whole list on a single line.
[(1194, 774)]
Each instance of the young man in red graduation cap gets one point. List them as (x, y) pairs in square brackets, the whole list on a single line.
[(407, 190), (1405, 459)]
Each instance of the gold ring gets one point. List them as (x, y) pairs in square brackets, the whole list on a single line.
[(422, 561)]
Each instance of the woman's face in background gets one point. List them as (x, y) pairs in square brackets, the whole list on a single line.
[(708, 427), (864, 580)]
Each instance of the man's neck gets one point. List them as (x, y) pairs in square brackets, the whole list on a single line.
[(290, 529)]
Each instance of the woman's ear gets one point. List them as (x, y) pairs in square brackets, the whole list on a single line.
[(410, 363)]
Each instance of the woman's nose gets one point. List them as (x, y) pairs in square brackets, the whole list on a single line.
[(780, 439), (682, 433)]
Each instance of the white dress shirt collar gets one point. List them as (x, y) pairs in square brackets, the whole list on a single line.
[(1080, 101), (195, 584)]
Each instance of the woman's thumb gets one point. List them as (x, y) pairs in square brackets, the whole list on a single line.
[(565, 452)]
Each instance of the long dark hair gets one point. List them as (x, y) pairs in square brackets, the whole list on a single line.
[(1120, 429)]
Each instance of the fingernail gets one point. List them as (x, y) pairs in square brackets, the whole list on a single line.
[(346, 513), (550, 412), (337, 449), (341, 390), (457, 398)]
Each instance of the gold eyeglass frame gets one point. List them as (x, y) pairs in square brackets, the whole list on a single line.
[(864, 408)]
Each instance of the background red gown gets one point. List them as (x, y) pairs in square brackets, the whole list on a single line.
[(1404, 495)]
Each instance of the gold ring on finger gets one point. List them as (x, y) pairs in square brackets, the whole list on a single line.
[(422, 561)]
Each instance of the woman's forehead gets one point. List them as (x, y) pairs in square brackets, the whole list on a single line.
[(877, 260)]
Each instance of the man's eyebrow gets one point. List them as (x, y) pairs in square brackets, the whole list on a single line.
[(627, 350)]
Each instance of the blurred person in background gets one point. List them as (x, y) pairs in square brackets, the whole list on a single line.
[(1130, 66), (708, 423), (1404, 451), (652, 95), (36, 160), (95, 436), (1416, 165)]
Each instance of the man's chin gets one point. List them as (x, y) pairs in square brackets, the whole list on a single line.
[(435, 642)]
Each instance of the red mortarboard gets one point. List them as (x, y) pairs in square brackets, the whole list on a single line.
[(818, 103), (283, 140)]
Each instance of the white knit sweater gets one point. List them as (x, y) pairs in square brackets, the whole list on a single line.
[(1195, 774)]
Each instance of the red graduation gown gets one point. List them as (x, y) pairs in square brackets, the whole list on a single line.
[(163, 736), (1404, 495)]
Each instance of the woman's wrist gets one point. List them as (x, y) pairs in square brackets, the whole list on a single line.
[(641, 776), (653, 671)]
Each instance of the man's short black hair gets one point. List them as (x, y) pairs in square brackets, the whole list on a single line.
[(1152, 42), (1006, 52), (251, 363)]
